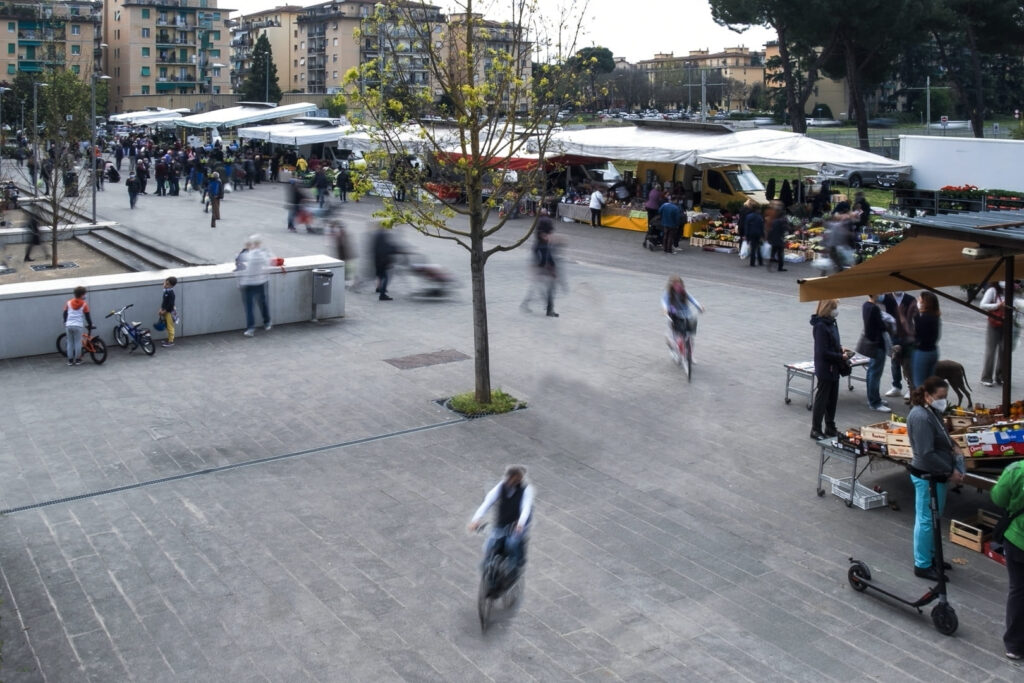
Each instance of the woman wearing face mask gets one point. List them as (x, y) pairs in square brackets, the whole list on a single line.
[(934, 454), (829, 358)]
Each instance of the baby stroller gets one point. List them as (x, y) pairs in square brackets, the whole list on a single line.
[(316, 218), (437, 282), (112, 175), (655, 235)]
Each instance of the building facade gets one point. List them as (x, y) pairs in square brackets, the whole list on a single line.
[(736, 71), (41, 35), (280, 26), (492, 39), (166, 47), (828, 92)]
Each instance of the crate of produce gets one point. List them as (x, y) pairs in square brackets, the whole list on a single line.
[(863, 497), (973, 532), (961, 421), (902, 452), (875, 432)]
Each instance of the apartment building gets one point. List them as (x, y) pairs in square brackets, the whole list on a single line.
[(491, 39), (734, 65), (41, 34), (166, 47), (327, 48), (830, 92), (280, 25)]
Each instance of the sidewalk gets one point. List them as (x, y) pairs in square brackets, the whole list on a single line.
[(287, 523)]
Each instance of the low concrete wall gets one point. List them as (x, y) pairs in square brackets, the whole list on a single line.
[(208, 299)]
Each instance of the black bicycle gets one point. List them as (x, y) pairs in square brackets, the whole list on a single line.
[(133, 333), (499, 580)]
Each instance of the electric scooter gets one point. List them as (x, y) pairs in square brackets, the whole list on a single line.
[(943, 614)]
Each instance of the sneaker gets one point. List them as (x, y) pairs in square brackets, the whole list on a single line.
[(78, 361), (385, 297), (895, 391), (268, 327), (167, 345), (906, 394), (250, 332), (70, 362), (881, 407), (1014, 656), (989, 383)]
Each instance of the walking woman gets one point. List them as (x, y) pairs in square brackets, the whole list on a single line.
[(993, 301), (935, 454), (829, 359), (928, 325)]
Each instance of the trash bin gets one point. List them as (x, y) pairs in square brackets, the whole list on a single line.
[(70, 184), (322, 279)]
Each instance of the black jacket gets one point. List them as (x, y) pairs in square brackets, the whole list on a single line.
[(753, 226), (828, 351), (873, 326), (777, 232)]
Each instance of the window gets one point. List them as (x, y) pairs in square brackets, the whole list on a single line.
[(295, 78), (296, 33), (145, 90), (117, 34), (216, 72), (335, 75), (302, 45), (302, 62), (335, 41), (334, 58), (76, 69), (145, 13), (76, 49), (216, 90), (145, 71), (145, 33), (10, 27), (117, 15), (214, 35), (76, 29), (11, 68), (10, 48), (214, 53), (295, 63), (303, 76), (145, 52)]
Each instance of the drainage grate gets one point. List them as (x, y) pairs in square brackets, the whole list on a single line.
[(423, 360), (6, 271), (60, 266)]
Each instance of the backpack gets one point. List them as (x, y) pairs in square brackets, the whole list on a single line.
[(240, 260)]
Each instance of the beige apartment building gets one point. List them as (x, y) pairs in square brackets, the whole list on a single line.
[(281, 27), (737, 65), (491, 37), (166, 47), (41, 34), (827, 91)]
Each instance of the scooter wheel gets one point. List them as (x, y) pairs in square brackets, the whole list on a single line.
[(857, 575), (944, 618)]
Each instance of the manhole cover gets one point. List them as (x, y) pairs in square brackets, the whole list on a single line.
[(60, 266), (6, 271), (422, 360)]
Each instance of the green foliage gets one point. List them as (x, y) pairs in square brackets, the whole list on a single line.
[(337, 105), (466, 404), (260, 85)]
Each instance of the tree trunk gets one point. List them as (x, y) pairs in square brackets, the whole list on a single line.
[(481, 342), (797, 119), (856, 97), (55, 209), (977, 110)]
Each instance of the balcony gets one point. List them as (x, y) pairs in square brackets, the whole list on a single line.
[(164, 39)]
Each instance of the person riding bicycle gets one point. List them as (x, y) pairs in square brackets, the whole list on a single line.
[(680, 307), (515, 512)]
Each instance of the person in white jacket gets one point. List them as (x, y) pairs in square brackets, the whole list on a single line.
[(253, 274), (993, 302), (596, 204)]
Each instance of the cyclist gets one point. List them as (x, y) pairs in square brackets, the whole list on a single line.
[(681, 309), (515, 512)]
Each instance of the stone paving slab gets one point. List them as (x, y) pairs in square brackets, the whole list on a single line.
[(678, 535)]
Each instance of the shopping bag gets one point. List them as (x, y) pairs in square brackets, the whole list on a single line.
[(766, 251), (745, 250)]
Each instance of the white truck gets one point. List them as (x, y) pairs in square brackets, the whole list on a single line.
[(986, 163)]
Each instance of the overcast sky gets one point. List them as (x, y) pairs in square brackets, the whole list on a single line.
[(634, 29)]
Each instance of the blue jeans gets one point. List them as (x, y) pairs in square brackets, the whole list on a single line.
[(74, 341), (874, 377), (924, 543), (513, 542), (923, 365), (249, 294)]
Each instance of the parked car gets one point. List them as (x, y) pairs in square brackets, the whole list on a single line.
[(842, 176)]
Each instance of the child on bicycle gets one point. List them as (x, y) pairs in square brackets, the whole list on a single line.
[(76, 320), (680, 307), (515, 511), (167, 311)]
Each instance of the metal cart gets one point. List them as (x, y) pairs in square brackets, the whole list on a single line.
[(805, 371)]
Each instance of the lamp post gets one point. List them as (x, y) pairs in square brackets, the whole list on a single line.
[(92, 143), (35, 134), (266, 64), (2, 91)]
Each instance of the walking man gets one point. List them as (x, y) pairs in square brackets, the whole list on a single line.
[(214, 191)]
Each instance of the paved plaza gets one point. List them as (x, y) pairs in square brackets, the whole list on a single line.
[(292, 507)]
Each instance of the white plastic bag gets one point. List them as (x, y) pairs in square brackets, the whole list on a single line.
[(766, 251), (745, 250)]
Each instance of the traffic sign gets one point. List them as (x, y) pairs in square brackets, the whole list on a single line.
[(944, 120)]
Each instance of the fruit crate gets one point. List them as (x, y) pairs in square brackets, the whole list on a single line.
[(863, 497), (972, 533)]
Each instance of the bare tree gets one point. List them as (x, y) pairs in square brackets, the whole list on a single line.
[(495, 147)]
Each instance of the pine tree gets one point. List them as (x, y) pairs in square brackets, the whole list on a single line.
[(260, 84)]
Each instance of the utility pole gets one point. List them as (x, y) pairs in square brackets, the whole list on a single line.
[(703, 96)]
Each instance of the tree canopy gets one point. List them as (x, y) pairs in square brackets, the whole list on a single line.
[(260, 84)]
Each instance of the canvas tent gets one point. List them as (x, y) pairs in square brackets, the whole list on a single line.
[(148, 117), (297, 132), (245, 112)]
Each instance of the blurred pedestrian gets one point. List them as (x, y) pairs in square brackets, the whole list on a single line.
[(597, 203), (1008, 493), (323, 186), (34, 238), (670, 217), (384, 251), (253, 278), (545, 267), (214, 191), (342, 182), (753, 233), (654, 201), (134, 188), (778, 226)]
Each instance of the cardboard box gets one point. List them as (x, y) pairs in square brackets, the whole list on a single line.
[(996, 442), (974, 532)]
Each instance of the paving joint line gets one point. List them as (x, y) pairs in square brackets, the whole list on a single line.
[(232, 466)]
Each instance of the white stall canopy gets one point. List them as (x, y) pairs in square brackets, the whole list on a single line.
[(298, 132), (714, 145), (246, 112), (148, 117)]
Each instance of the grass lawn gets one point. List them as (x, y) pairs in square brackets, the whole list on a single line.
[(875, 196)]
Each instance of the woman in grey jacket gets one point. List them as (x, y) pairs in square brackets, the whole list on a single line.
[(935, 454)]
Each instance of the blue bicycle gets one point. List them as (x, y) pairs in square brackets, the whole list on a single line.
[(133, 333)]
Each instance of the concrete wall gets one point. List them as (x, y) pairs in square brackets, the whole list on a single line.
[(208, 300)]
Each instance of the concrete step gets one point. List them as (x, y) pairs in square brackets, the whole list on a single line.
[(152, 254), (169, 252), (126, 257)]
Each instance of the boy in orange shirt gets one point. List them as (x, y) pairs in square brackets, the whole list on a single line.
[(76, 320)]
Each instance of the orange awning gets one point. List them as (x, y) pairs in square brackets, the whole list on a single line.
[(931, 261)]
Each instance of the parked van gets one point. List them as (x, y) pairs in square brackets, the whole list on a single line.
[(710, 188)]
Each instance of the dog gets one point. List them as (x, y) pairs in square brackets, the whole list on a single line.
[(954, 374)]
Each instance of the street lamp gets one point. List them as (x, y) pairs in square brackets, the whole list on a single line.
[(2, 91), (92, 143), (35, 134)]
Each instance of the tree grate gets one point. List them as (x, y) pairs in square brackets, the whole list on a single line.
[(60, 266), (423, 360)]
